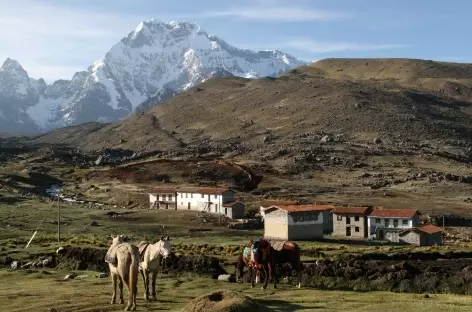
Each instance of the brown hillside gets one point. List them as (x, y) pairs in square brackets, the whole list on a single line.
[(307, 99), (394, 133)]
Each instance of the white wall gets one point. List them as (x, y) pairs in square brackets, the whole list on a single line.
[(372, 225), (167, 197), (280, 217), (199, 202)]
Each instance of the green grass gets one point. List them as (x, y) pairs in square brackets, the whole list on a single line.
[(19, 220), (36, 291)]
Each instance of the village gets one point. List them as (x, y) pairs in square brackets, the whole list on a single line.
[(291, 220)]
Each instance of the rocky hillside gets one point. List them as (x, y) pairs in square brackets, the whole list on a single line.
[(338, 98), (326, 132)]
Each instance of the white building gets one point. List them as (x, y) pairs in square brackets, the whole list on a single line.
[(295, 222), (381, 222), (266, 204), (213, 200), (162, 198)]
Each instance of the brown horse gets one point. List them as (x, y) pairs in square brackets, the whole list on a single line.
[(266, 258)]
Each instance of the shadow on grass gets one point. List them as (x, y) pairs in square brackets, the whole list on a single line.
[(355, 242), (11, 200), (281, 305)]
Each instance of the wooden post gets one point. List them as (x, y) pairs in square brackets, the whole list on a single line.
[(58, 219)]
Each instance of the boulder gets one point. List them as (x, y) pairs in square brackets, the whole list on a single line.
[(15, 265), (227, 278), (326, 139), (70, 276)]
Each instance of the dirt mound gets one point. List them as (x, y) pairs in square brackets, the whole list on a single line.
[(224, 301)]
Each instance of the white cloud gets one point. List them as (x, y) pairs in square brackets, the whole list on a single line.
[(314, 46), (53, 41), (281, 13)]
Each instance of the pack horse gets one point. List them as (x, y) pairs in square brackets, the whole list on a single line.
[(264, 257)]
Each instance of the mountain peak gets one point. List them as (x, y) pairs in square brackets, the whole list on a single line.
[(11, 65), (154, 62)]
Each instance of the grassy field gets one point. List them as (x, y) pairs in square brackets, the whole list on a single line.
[(189, 234), (36, 291)]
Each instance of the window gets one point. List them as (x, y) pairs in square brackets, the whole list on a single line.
[(356, 218), (405, 222), (395, 223), (216, 196), (348, 220), (377, 221), (186, 195), (203, 195), (339, 217), (356, 229)]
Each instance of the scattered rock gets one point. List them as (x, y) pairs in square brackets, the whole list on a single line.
[(101, 275), (15, 265), (70, 276), (81, 276), (377, 141), (99, 160), (326, 139), (94, 223), (227, 278)]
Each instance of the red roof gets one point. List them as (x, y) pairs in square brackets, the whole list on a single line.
[(211, 191), (275, 202), (353, 210), (164, 190), (303, 208), (206, 190), (394, 213), (429, 228), (231, 204)]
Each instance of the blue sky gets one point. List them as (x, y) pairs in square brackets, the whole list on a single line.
[(55, 38)]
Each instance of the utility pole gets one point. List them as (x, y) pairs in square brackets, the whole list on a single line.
[(58, 219)]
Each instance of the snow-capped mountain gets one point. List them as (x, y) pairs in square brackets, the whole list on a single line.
[(153, 63)]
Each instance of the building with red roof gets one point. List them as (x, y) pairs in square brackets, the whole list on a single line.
[(296, 222), (423, 235), (350, 221), (381, 221)]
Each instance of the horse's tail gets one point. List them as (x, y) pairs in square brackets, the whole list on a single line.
[(134, 270)]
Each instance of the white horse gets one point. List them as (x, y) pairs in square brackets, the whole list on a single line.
[(152, 255)]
